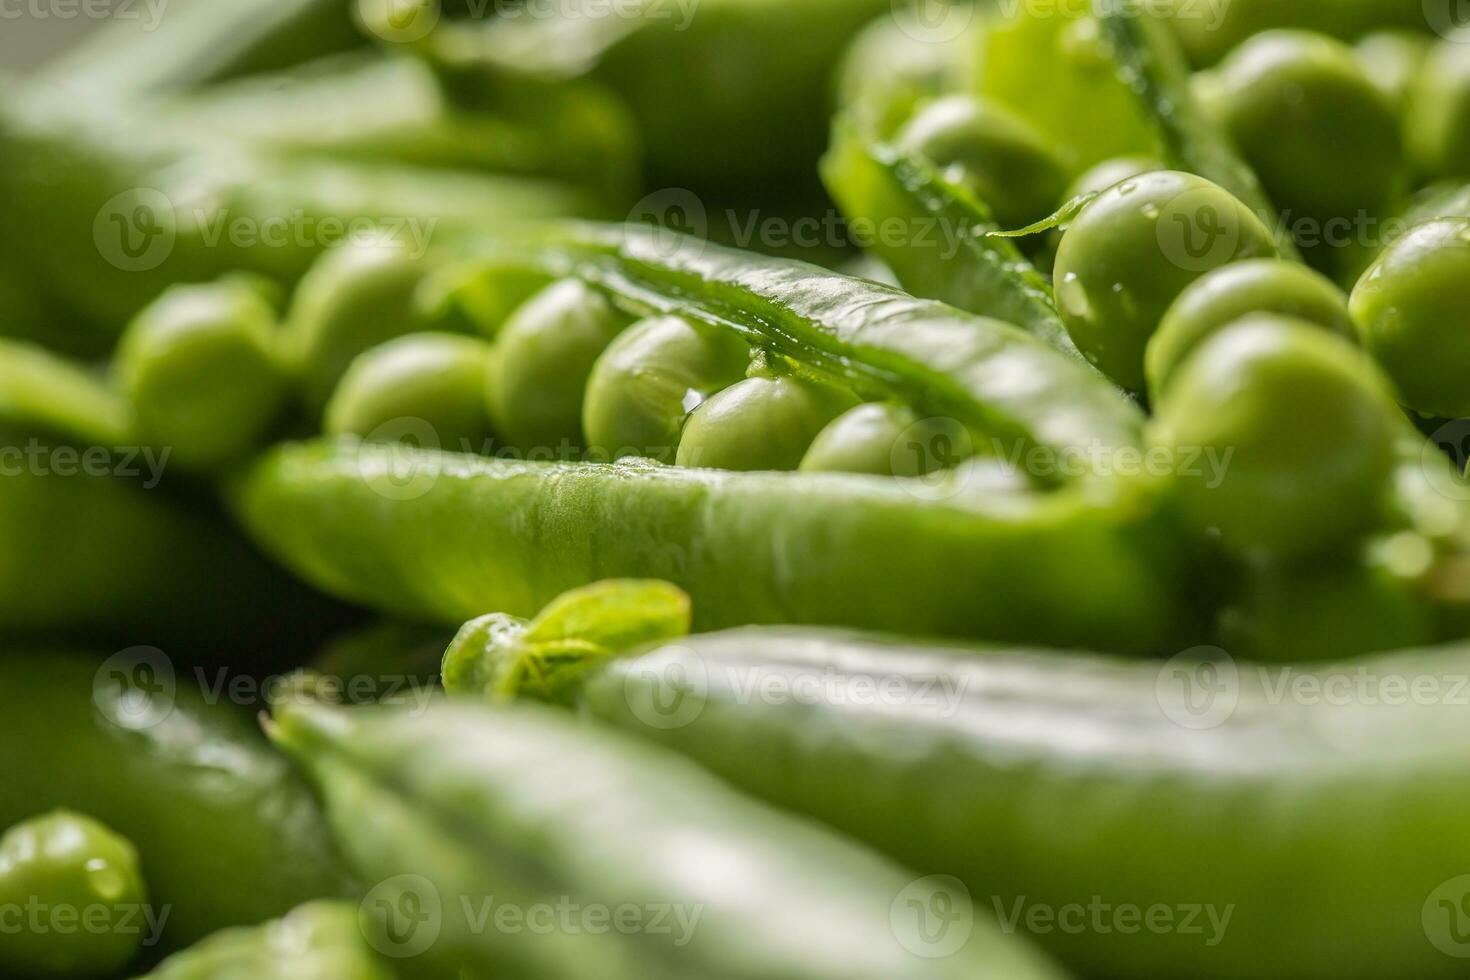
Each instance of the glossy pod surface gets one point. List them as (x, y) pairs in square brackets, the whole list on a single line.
[(227, 833), (448, 536), (1269, 825), (525, 807)]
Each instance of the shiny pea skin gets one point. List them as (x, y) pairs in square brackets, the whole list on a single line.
[(1324, 139), (650, 378), (884, 439), (1231, 292), (427, 388), (1130, 253), (202, 368), (1412, 310), (1438, 120), (543, 359), (1282, 437), (354, 298), (85, 889), (997, 155), (1392, 61), (762, 423), (1109, 173)]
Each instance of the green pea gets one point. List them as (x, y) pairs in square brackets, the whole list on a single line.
[(762, 423), (1324, 612), (1221, 297), (475, 298), (1282, 436), (353, 299), (650, 378), (991, 151), (1109, 173), (202, 370), (884, 439), (1130, 253), (543, 359), (1392, 61), (1438, 120), (426, 387), (78, 875), (1412, 309), (1324, 139)]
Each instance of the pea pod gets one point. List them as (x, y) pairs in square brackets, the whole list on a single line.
[(59, 871), (318, 941), (442, 535), (103, 199), (1074, 794), (467, 822), (226, 832)]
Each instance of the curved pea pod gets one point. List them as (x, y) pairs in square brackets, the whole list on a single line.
[(187, 43), (756, 78), (872, 338), (318, 941), (103, 198), (66, 869), (226, 831), (935, 236), (1204, 818), (366, 106), (444, 536), (521, 811)]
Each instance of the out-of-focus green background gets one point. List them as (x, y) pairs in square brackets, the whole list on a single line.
[(32, 32)]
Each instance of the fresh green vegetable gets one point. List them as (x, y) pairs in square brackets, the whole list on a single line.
[(74, 898), (226, 831), (318, 941), (884, 439), (762, 423), (1295, 483), (1411, 315), (648, 380), (1233, 291), (1072, 788), (425, 386), (544, 356), (1393, 60), (1129, 254), (467, 820), (1209, 33), (1438, 121), (203, 369)]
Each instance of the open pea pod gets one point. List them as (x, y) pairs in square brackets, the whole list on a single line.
[(226, 831), (1195, 817), (477, 814), (109, 202)]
